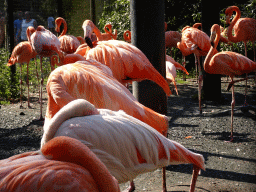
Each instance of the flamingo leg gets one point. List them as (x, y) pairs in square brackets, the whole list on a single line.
[(131, 188), (245, 93), (196, 68), (164, 180), (194, 178), (200, 79), (28, 85), (21, 86), (41, 89), (232, 111), (184, 65)]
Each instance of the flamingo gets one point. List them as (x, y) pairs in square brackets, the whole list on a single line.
[(69, 58), (94, 82), (127, 36), (63, 164), (109, 34), (172, 38), (69, 43), (22, 53), (171, 66), (195, 41), (244, 30), (226, 63), (45, 44), (127, 146)]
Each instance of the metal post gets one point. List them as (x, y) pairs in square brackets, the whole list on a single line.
[(93, 11), (211, 82), (147, 26)]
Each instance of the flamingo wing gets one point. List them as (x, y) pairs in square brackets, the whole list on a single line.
[(69, 43), (127, 146)]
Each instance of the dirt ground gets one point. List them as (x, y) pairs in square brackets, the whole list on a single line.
[(230, 166)]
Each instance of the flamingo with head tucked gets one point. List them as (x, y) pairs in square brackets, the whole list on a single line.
[(69, 43), (226, 63), (62, 164), (45, 44), (127, 146)]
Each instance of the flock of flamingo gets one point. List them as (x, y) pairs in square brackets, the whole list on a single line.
[(96, 134)]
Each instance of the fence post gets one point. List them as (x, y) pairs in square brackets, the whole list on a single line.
[(147, 27)]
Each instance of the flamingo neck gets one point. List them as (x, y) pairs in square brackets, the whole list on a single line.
[(213, 48), (71, 150), (98, 33), (65, 28), (233, 22)]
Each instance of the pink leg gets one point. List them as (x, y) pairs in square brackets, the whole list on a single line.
[(184, 65), (41, 89), (21, 86), (232, 111), (194, 178), (28, 86), (196, 65), (131, 188), (164, 180), (245, 93), (200, 85)]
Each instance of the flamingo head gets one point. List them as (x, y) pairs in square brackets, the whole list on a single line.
[(30, 31), (229, 12), (214, 31)]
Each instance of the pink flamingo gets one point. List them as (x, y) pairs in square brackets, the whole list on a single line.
[(127, 146), (244, 30), (54, 168), (22, 53), (69, 43), (45, 44), (195, 41), (226, 63)]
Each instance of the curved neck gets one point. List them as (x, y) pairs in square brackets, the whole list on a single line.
[(98, 33), (213, 49), (30, 31), (65, 27), (71, 150), (231, 26)]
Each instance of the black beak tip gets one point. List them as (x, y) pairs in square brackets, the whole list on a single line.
[(89, 42)]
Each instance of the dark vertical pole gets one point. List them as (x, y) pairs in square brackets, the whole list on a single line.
[(60, 13), (147, 26), (93, 11), (212, 82), (10, 40)]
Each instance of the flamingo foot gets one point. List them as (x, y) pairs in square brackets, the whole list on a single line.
[(195, 174), (131, 188)]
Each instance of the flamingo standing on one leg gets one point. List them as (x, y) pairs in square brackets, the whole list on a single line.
[(127, 146), (45, 44), (244, 30), (22, 53), (63, 164), (68, 43), (195, 41), (226, 63)]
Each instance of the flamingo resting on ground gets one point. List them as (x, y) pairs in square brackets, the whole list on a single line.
[(94, 82), (195, 41), (22, 53), (45, 44), (63, 164), (68, 43), (226, 63), (127, 146), (244, 30)]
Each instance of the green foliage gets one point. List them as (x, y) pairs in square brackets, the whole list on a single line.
[(8, 84), (116, 13)]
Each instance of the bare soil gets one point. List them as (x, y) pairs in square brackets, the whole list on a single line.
[(230, 166)]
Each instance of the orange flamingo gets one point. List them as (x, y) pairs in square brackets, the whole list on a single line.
[(195, 41), (171, 66), (127, 36), (126, 61), (226, 63), (172, 38), (244, 30), (45, 44), (90, 29), (94, 81), (69, 43), (54, 168), (22, 53), (127, 146)]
